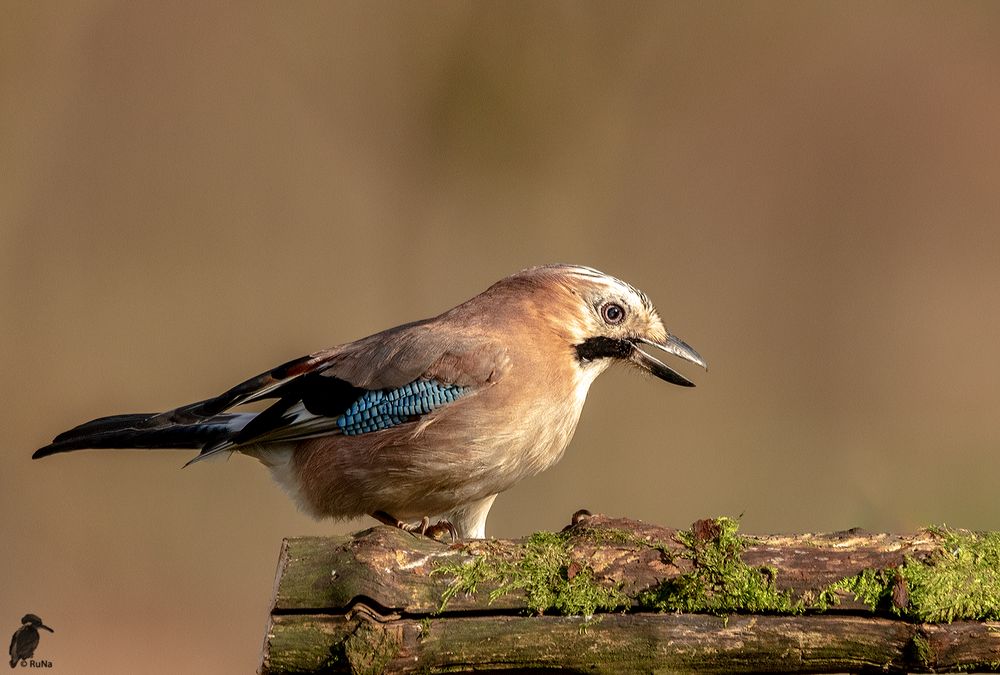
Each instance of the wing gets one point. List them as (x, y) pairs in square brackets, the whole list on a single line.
[(378, 382)]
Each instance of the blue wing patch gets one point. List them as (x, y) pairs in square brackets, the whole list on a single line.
[(384, 408)]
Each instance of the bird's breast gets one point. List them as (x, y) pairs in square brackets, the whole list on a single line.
[(519, 426)]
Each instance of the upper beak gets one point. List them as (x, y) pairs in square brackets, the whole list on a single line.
[(46, 628), (673, 345)]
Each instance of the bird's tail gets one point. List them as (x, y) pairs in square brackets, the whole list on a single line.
[(147, 431)]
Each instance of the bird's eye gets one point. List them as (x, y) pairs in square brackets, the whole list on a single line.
[(613, 313)]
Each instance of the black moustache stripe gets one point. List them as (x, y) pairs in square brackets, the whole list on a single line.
[(601, 347)]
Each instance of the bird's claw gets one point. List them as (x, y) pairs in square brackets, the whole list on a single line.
[(435, 531), (418, 528), (439, 529), (424, 527)]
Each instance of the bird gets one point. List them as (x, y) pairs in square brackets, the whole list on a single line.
[(433, 418), (25, 639)]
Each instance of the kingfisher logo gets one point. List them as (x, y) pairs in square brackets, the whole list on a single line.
[(24, 642)]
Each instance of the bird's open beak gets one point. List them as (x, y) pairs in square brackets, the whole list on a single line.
[(673, 345)]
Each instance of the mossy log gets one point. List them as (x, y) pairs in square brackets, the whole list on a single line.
[(619, 595)]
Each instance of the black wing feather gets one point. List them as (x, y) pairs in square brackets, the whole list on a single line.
[(319, 394)]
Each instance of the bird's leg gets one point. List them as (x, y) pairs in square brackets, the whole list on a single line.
[(424, 527), (385, 518)]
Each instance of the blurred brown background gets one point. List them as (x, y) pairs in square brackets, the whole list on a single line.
[(192, 193)]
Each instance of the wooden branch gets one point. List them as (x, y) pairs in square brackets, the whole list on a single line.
[(603, 596)]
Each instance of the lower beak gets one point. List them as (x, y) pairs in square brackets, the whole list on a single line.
[(673, 345)]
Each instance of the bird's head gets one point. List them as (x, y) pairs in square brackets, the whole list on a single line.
[(606, 320), (34, 620)]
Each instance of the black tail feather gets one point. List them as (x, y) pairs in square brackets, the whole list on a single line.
[(195, 425), (142, 431), (105, 424)]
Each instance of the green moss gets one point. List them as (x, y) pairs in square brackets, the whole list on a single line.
[(543, 570), (922, 650), (872, 587), (961, 580), (424, 628), (720, 581), (821, 601)]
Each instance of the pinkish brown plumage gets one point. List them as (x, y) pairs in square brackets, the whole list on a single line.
[(434, 417)]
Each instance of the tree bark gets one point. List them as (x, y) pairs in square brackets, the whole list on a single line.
[(387, 601)]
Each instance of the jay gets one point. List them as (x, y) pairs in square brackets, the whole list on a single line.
[(431, 418)]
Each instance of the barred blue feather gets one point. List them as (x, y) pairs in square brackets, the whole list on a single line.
[(384, 408)]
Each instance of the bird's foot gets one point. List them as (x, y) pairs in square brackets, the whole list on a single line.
[(424, 527), (440, 528)]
